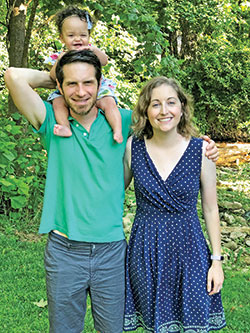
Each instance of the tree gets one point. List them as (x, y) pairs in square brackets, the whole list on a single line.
[(17, 36)]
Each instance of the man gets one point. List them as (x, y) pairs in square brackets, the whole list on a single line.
[(84, 193), (84, 196)]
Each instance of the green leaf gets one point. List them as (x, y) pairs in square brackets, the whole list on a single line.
[(18, 201), (23, 188), (132, 17), (98, 6), (9, 155), (41, 304), (5, 182), (16, 116)]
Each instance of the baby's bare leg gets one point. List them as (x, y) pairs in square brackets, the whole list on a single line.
[(108, 105), (62, 128)]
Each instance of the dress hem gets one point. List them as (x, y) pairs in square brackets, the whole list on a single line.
[(215, 322)]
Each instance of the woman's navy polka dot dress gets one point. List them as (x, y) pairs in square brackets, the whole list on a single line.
[(168, 258)]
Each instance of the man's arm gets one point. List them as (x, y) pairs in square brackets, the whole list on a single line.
[(21, 83)]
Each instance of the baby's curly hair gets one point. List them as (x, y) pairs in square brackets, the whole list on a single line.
[(71, 11)]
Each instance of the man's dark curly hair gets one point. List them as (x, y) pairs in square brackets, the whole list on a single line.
[(71, 11)]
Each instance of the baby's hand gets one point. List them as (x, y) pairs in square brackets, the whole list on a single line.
[(90, 48)]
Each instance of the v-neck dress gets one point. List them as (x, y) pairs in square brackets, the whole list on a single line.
[(168, 257)]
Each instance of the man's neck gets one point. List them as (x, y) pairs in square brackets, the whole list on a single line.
[(86, 120)]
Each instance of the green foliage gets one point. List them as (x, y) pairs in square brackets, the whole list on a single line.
[(220, 84), (3, 61), (139, 22), (204, 44), (22, 169)]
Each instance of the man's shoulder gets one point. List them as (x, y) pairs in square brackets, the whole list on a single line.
[(48, 105), (125, 114), (49, 120), (49, 110)]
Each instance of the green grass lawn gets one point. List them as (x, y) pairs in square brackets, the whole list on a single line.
[(23, 284), (236, 300)]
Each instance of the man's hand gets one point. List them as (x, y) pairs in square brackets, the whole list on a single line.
[(212, 152)]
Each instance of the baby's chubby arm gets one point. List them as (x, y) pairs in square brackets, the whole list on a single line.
[(53, 69), (99, 53)]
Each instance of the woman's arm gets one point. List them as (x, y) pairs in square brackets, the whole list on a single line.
[(211, 214), (127, 163)]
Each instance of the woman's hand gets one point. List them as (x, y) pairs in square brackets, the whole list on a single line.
[(215, 278)]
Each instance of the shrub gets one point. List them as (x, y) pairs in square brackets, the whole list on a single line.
[(22, 168)]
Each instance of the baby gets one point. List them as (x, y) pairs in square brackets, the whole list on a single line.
[(74, 26)]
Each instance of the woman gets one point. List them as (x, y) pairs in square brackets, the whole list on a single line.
[(173, 283)]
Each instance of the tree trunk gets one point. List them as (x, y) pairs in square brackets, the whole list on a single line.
[(28, 33), (16, 32), (16, 37)]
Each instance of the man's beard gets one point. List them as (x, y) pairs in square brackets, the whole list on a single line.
[(84, 112), (81, 113)]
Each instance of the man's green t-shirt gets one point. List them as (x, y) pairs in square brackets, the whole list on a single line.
[(84, 190)]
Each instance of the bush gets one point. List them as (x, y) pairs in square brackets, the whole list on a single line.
[(219, 82), (22, 168)]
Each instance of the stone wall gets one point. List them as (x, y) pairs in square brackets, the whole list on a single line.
[(235, 230)]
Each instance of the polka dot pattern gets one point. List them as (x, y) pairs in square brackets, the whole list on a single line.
[(168, 257)]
